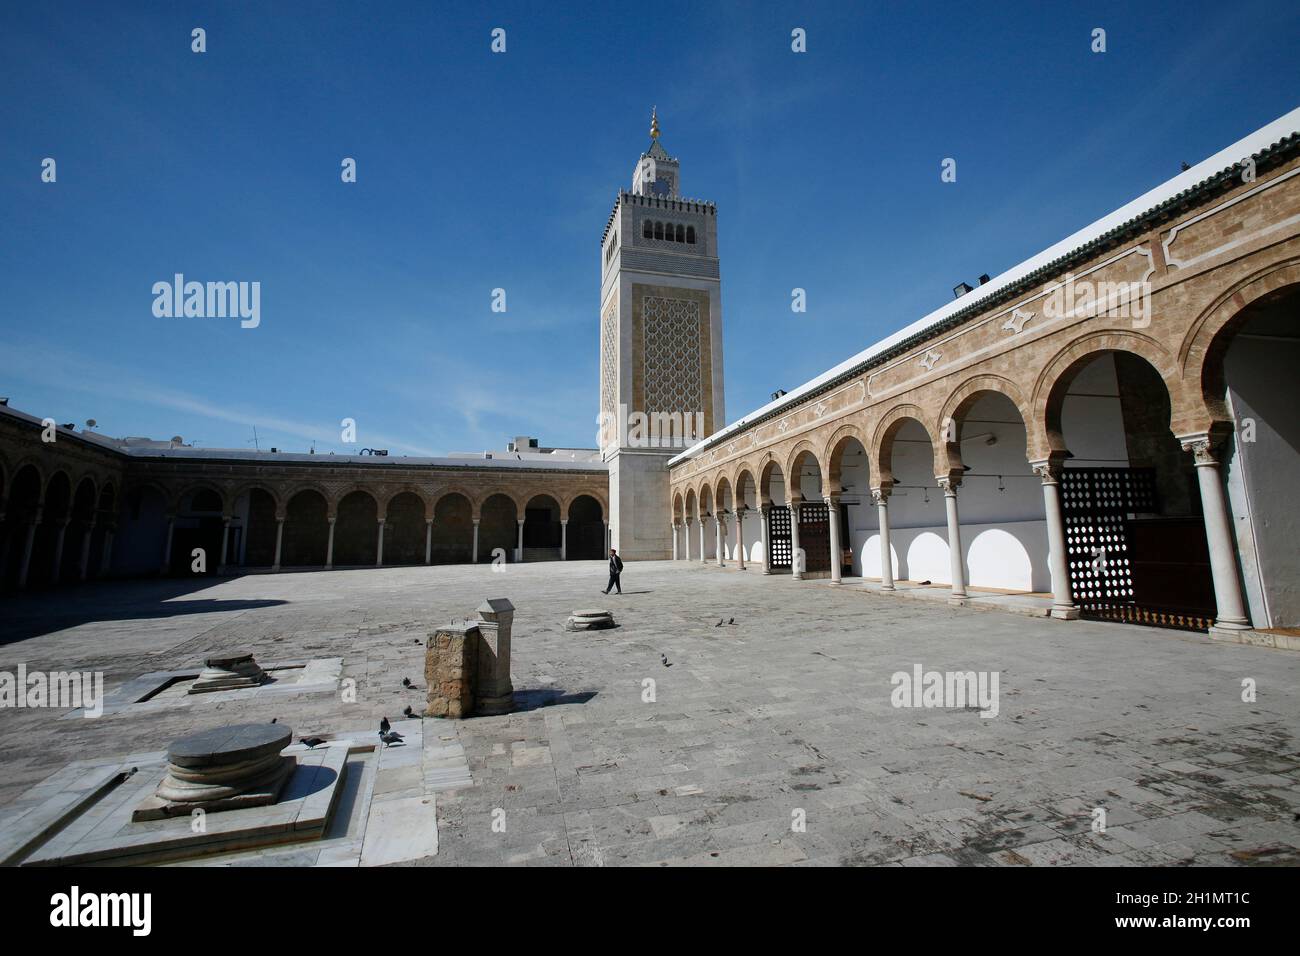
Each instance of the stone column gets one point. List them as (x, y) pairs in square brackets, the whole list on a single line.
[(564, 539), (379, 548), (833, 511), (718, 537), (686, 538), (1049, 470), (474, 554), (25, 566), (949, 485), (106, 559), (796, 555), (83, 564), (740, 537), (704, 559), (279, 541), (166, 565), (608, 541), (675, 548), (329, 544), (519, 539), (428, 540), (881, 497), (58, 549), (1230, 617), (765, 517), (225, 543)]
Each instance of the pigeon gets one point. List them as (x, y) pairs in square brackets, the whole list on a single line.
[(665, 660), (731, 620), (925, 582), (384, 726), (720, 623), (409, 712), (406, 682), (390, 738), (274, 719), (311, 742)]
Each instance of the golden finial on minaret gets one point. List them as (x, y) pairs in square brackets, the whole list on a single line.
[(654, 122)]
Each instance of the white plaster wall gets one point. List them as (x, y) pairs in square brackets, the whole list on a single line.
[(1091, 418), (1004, 555), (1263, 474)]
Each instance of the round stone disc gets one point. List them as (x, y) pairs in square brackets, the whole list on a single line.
[(591, 613), (224, 745), (224, 661)]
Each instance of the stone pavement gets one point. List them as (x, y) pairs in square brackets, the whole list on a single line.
[(770, 741)]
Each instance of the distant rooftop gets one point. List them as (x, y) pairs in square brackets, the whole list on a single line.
[(581, 459)]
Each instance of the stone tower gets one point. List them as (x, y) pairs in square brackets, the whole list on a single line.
[(660, 345)]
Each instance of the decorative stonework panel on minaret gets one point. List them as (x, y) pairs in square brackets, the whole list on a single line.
[(672, 356), (609, 368), (672, 351)]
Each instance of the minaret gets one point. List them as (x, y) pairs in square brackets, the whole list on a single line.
[(660, 344)]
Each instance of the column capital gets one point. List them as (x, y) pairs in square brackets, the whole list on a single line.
[(564, 521), (831, 500), (880, 496), (1049, 469), (949, 482), (379, 520), (1203, 446)]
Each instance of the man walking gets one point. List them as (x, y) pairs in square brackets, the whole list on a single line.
[(615, 569)]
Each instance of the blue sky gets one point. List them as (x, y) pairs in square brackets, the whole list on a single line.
[(480, 170)]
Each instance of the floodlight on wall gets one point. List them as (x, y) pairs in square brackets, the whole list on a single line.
[(984, 278), (960, 289)]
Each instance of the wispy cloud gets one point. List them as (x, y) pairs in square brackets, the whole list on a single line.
[(34, 362)]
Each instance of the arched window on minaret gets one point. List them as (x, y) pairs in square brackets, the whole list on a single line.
[(647, 229), (681, 233), (659, 230), (690, 235)]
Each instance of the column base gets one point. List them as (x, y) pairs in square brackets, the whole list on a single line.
[(493, 706), (833, 581), (956, 601), (1061, 613), (1239, 634), (888, 587)]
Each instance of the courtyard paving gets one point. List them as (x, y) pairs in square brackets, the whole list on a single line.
[(772, 740)]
